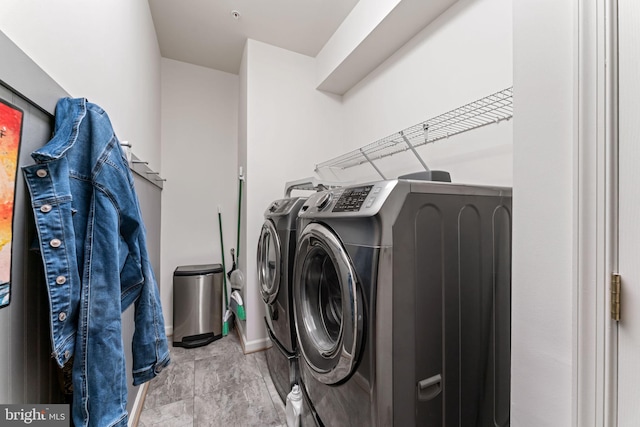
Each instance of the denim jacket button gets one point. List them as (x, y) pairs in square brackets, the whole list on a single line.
[(55, 243), (62, 316), (41, 173), (45, 208), (61, 280), (66, 355)]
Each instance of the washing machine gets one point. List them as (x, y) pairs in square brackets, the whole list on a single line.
[(276, 251), (401, 294)]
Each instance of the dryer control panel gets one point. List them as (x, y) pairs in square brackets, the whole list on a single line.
[(352, 199)]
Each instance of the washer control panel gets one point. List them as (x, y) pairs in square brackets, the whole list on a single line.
[(281, 207), (352, 199)]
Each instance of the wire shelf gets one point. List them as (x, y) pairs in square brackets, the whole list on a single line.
[(488, 110)]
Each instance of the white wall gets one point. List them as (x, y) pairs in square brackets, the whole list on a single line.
[(245, 262), (356, 27), (104, 51), (199, 149), (545, 80), (464, 55), (289, 126)]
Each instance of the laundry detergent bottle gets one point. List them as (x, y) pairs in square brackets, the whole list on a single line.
[(294, 406)]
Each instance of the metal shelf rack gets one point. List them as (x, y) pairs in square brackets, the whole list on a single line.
[(488, 110)]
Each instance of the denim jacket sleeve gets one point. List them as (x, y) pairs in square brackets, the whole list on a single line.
[(137, 281)]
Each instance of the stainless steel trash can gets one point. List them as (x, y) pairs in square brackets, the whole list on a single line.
[(197, 305)]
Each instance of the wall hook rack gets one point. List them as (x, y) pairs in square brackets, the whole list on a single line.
[(141, 167), (491, 109)]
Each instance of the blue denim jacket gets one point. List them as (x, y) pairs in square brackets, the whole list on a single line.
[(93, 245)]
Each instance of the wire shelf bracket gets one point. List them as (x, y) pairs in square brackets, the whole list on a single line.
[(491, 109), (368, 159)]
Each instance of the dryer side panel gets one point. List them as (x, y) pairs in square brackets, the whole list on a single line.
[(452, 310)]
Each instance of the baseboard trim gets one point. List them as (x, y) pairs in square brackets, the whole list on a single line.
[(247, 346), (253, 345)]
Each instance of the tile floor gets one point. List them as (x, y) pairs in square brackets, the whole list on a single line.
[(215, 385)]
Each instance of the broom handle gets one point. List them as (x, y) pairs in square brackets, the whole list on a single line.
[(239, 212), (224, 268)]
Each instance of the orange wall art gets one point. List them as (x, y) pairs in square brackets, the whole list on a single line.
[(10, 135)]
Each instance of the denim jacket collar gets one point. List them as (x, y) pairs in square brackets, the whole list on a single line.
[(66, 130)]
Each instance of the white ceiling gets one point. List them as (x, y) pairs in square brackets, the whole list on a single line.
[(204, 32)]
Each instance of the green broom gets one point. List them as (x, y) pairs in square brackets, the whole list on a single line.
[(227, 312)]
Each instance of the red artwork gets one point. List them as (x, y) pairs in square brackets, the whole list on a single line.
[(10, 133)]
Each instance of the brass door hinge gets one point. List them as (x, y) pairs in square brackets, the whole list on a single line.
[(615, 296)]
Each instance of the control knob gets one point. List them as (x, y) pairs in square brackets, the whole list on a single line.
[(323, 201), (273, 207)]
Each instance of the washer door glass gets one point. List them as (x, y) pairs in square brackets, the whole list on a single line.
[(269, 262), (327, 306)]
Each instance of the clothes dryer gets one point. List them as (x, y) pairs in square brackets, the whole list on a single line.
[(276, 251), (401, 294)]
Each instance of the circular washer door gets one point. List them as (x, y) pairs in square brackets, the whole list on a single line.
[(327, 306), (269, 262)]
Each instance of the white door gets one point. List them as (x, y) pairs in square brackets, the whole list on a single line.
[(629, 212)]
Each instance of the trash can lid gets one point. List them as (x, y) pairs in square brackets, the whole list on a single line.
[(195, 270)]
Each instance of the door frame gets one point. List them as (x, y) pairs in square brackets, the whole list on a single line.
[(595, 204)]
